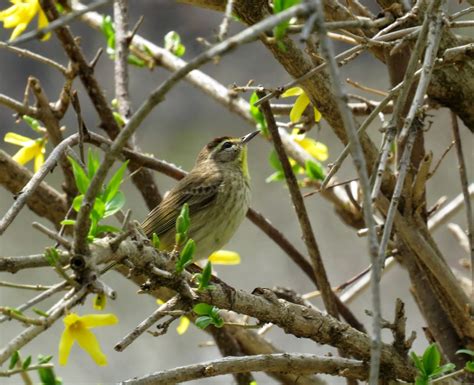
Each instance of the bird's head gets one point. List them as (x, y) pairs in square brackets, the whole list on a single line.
[(227, 151)]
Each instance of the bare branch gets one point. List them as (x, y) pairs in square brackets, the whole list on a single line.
[(284, 362)]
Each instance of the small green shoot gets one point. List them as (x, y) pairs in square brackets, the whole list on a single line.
[(185, 256), (172, 42), (428, 365), (107, 203), (182, 225), (469, 364), (204, 278), (257, 115), (314, 170), (208, 315)]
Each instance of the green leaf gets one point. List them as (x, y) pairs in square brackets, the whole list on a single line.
[(108, 30), (469, 366), (257, 114), (26, 363), (68, 222), (183, 222), (118, 119), (40, 312), (155, 241), (421, 381), (44, 359), (173, 43), (202, 309), (93, 163), (280, 30), (186, 256), (107, 229), (14, 359), (135, 61), (431, 359), (32, 122), (114, 184), (275, 177), (82, 180), (115, 204), (466, 351), (443, 369), (203, 322), (275, 161), (98, 210), (205, 277), (314, 170), (77, 202), (52, 256)]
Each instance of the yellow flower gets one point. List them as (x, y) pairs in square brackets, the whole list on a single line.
[(184, 321), (183, 325), (224, 257), (32, 148), (77, 329), (316, 149), (20, 14), (300, 105)]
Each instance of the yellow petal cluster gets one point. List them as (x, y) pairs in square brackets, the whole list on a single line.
[(76, 329), (316, 149), (302, 101), (20, 14), (31, 149), (224, 257)]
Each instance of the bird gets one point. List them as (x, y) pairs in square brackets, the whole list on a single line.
[(217, 191)]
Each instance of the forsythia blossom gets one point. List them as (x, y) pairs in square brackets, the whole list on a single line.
[(77, 329), (20, 14), (224, 257), (316, 149), (31, 149), (302, 101)]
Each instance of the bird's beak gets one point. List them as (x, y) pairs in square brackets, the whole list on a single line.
[(247, 138)]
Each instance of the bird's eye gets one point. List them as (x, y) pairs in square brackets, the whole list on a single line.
[(226, 145)]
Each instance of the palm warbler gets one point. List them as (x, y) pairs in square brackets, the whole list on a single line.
[(217, 191)]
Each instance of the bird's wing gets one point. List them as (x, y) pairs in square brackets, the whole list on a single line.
[(197, 191)]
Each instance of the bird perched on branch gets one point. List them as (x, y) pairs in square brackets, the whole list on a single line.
[(217, 191)]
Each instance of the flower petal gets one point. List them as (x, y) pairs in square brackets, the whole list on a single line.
[(183, 325), (26, 154), (224, 257), (39, 161), (96, 320), (14, 138), (65, 345), (294, 91), (298, 108), (317, 115), (88, 342), (18, 30), (316, 149)]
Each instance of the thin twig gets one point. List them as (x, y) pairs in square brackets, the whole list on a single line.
[(32, 55), (224, 27), (298, 202), (34, 182), (41, 297), (52, 235), (327, 51), (465, 192), (162, 311), (296, 363)]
